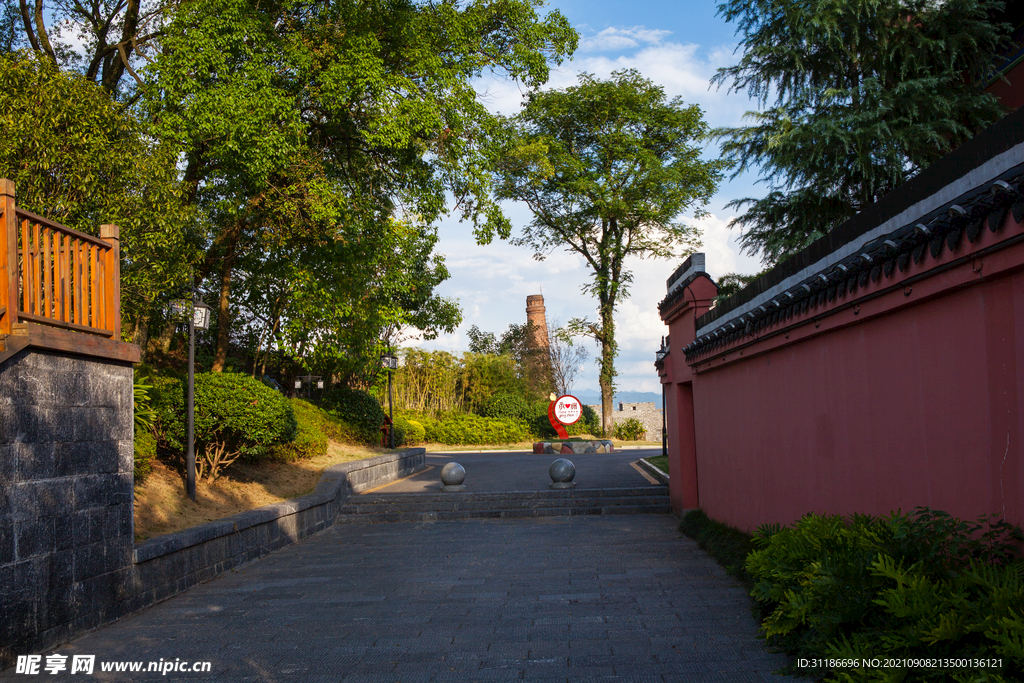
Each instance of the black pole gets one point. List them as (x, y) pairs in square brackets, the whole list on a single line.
[(664, 428), (190, 454), (391, 409)]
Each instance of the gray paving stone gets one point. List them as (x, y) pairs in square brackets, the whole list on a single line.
[(603, 598)]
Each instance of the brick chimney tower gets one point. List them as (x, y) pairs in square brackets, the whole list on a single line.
[(535, 315)]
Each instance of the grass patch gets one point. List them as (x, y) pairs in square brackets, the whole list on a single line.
[(659, 461), (729, 547)]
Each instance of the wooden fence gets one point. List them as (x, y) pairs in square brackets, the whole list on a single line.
[(55, 276)]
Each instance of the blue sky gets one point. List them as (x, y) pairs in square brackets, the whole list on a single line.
[(678, 46)]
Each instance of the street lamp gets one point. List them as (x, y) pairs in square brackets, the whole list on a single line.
[(390, 363), (198, 315), (659, 359)]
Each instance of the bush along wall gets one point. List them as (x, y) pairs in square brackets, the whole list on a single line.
[(942, 598), (357, 408), (235, 416), (466, 428)]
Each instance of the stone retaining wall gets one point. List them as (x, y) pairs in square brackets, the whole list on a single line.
[(66, 532), (169, 564)]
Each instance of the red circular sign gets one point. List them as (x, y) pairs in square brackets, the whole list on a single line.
[(568, 409)]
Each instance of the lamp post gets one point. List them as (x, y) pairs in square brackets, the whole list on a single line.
[(198, 314), (659, 359), (390, 363)]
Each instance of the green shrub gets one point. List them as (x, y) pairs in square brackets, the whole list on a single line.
[(358, 409), (144, 452), (465, 428), (589, 423), (506, 406), (630, 429), (413, 430), (144, 445), (923, 585), (235, 416), (310, 436)]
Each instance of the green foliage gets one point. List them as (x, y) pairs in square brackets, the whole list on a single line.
[(439, 382), (727, 546), (306, 130), (866, 94), (731, 283), (589, 423), (78, 157), (923, 585), (413, 431), (312, 427), (466, 428), (143, 453), (607, 167), (143, 412), (144, 444), (506, 406), (358, 409), (630, 429), (235, 416)]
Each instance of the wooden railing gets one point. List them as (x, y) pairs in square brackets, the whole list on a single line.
[(55, 276)]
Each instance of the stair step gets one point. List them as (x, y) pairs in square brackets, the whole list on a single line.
[(425, 507), (450, 505), (546, 494), (510, 513)]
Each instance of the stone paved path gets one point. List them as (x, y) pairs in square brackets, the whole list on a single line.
[(616, 598)]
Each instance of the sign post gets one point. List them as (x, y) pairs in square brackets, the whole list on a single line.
[(564, 410)]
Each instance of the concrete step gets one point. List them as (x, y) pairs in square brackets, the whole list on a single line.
[(404, 507)]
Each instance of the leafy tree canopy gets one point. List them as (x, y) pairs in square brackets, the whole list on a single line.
[(607, 168), (859, 96), (305, 128), (80, 158)]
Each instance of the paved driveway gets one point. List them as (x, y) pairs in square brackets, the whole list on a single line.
[(624, 599)]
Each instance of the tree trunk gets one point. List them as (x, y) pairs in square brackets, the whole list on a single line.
[(224, 309), (607, 374)]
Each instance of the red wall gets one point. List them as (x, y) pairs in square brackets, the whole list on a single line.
[(914, 397)]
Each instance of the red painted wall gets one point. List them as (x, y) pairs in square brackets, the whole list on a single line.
[(913, 397), (918, 408)]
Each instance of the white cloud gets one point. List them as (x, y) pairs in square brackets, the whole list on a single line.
[(616, 38)]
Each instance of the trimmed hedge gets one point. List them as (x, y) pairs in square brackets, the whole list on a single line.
[(311, 434), (413, 431), (358, 409), (466, 428), (234, 409), (507, 407)]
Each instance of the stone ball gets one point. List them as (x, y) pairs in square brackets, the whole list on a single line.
[(453, 474), (562, 470)]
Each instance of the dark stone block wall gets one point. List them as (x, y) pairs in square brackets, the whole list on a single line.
[(66, 527)]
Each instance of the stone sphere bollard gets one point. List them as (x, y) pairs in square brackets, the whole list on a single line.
[(562, 472), (452, 476)]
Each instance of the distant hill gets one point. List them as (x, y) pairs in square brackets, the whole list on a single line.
[(590, 397)]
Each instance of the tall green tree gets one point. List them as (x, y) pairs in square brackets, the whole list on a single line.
[(607, 168), (81, 158), (857, 96), (308, 123)]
